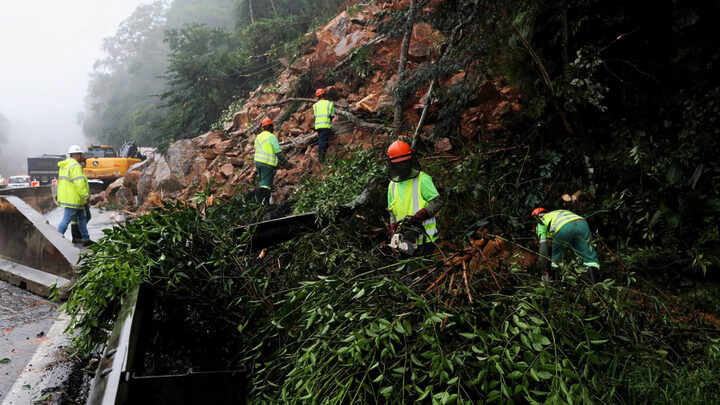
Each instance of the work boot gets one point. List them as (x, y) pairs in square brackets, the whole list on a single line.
[(321, 155), (75, 232), (88, 242), (265, 196), (594, 274)]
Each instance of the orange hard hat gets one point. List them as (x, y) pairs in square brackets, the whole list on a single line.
[(319, 92), (538, 211), (399, 151), (266, 121)]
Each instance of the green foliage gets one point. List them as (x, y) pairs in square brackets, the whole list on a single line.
[(170, 248), (345, 180)]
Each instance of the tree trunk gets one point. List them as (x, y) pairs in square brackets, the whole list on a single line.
[(397, 122), (252, 18), (426, 107)]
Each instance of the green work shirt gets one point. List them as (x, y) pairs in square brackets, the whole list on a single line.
[(266, 148), (409, 196), (552, 221)]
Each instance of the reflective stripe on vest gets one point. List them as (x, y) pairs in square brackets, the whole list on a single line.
[(321, 109), (67, 195), (264, 152), (402, 206), (555, 220)]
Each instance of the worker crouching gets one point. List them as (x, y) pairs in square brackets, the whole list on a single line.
[(413, 202), (567, 231)]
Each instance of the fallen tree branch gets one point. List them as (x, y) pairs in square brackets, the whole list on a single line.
[(302, 100), (358, 122), (300, 142)]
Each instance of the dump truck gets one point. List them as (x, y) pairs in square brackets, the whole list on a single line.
[(44, 168), (107, 165)]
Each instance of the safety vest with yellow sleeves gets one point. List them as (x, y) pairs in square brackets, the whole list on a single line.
[(73, 188), (323, 110), (266, 147), (552, 221), (409, 196)]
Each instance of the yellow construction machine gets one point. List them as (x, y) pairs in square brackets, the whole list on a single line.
[(108, 165)]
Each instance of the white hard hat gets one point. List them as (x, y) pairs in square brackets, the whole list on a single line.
[(74, 149)]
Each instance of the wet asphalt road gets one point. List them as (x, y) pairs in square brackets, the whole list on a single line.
[(25, 318)]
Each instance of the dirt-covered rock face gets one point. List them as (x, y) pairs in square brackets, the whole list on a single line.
[(222, 161)]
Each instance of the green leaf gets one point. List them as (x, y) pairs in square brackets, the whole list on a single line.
[(452, 381), (515, 375), (359, 293), (5, 360)]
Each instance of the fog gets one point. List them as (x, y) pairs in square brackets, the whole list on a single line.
[(48, 48)]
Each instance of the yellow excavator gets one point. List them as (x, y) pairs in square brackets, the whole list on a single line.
[(108, 165)]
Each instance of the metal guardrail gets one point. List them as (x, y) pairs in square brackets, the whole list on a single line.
[(118, 383)]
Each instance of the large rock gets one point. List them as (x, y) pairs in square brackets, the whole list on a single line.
[(132, 176), (172, 171)]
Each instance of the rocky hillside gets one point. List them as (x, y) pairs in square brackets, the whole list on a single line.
[(221, 162)]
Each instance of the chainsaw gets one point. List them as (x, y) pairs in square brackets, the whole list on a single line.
[(405, 236)]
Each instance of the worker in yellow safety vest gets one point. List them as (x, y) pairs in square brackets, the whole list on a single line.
[(73, 193), (324, 112), (412, 200), (566, 231), (267, 157)]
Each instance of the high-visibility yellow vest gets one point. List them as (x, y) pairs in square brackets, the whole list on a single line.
[(323, 109), (407, 199), (264, 152), (73, 188), (553, 221)]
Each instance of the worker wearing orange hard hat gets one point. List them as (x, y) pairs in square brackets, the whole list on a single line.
[(566, 231), (412, 200), (267, 157), (324, 112)]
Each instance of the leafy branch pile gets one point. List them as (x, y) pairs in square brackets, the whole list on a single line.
[(326, 318)]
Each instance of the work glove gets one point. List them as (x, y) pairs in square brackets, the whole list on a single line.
[(419, 216), (391, 230)]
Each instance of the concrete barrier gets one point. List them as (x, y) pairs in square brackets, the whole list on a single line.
[(40, 198), (33, 255)]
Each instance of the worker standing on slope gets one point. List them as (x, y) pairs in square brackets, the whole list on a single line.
[(566, 230), (267, 156), (324, 111), (73, 193), (412, 199)]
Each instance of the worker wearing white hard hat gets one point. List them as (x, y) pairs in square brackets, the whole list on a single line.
[(74, 193)]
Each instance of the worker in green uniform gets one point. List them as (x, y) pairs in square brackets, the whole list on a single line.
[(412, 199), (567, 231), (267, 156)]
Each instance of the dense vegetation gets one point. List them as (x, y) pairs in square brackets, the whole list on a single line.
[(620, 100), (172, 69)]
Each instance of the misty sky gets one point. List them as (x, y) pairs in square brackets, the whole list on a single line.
[(47, 50)]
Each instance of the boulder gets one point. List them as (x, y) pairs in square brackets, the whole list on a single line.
[(420, 41), (132, 176), (443, 145), (227, 170)]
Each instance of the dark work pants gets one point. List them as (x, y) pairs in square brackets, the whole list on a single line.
[(426, 249), (323, 139)]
